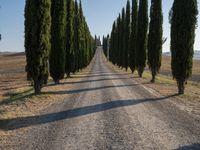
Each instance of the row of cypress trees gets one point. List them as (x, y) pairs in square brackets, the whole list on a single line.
[(105, 44), (128, 41), (57, 40), (135, 42)]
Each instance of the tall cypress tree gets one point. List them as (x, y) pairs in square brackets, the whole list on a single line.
[(58, 48), (81, 37), (122, 38), (112, 44), (103, 39), (183, 22), (133, 36), (155, 38), (76, 36), (86, 41), (142, 36), (40, 29), (108, 46), (126, 35), (105, 45), (28, 36), (118, 40), (116, 43), (69, 60)]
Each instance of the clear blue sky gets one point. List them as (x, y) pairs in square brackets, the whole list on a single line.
[(100, 15)]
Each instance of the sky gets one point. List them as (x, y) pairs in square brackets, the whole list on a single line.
[(99, 14)]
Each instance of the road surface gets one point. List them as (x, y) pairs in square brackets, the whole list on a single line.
[(108, 110)]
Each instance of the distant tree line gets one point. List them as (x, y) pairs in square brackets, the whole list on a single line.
[(57, 40), (135, 42)]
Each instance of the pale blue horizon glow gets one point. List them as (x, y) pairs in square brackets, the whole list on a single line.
[(99, 14)]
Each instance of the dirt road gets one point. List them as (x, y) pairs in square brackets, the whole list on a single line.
[(109, 110)]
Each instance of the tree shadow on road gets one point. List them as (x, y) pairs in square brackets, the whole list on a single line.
[(76, 91), (195, 146), (16, 123), (98, 75), (89, 80)]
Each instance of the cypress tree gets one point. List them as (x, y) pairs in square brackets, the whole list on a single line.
[(95, 38), (118, 40), (81, 37), (183, 23), (133, 36), (122, 38), (108, 46), (142, 36), (112, 50), (103, 44), (86, 41), (91, 47), (126, 36), (76, 36), (88, 44), (155, 38), (94, 47), (40, 29), (28, 36), (58, 48), (115, 43), (69, 59)]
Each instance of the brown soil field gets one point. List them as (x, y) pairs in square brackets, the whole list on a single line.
[(12, 73), (166, 69)]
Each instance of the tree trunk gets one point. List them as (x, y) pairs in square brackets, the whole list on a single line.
[(181, 86), (140, 71), (153, 72), (57, 81), (37, 87), (132, 71), (68, 75), (45, 80), (126, 69), (29, 78)]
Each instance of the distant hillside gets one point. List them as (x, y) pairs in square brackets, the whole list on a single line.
[(12, 53), (196, 54), (5, 53)]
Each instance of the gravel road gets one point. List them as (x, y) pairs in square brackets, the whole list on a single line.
[(108, 110)]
